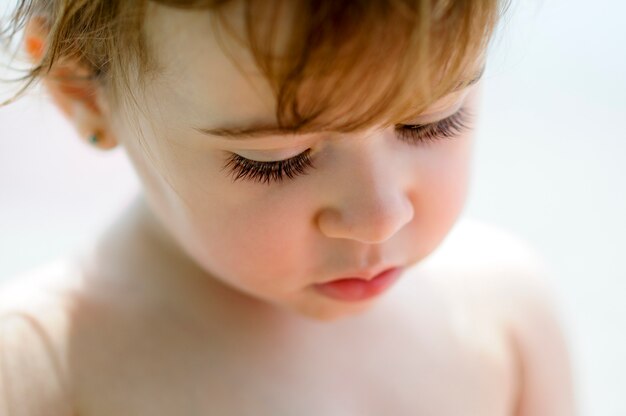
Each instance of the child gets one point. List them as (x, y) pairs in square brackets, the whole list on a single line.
[(296, 248)]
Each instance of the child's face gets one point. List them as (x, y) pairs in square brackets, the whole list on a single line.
[(373, 200)]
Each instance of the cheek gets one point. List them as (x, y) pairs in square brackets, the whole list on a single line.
[(447, 182), (444, 180), (250, 242)]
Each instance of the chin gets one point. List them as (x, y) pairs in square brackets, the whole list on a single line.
[(330, 311)]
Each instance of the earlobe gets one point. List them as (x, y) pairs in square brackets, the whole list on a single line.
[(90, 127), (72, 88)]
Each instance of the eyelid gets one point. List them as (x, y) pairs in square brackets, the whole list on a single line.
[(438, 115), (266, 155), (274, 143), (276, 171), (300, 143)]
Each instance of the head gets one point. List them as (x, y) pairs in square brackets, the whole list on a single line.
[(273, 140)]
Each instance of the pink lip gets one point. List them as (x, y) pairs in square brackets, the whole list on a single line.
[(355, 289), (367, 274)]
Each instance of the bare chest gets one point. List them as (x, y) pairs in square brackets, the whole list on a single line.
[(396, 367)]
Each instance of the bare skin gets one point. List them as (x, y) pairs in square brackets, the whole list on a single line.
[(442, 341), (199, 299)]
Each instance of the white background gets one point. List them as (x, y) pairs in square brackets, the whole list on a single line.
[(549, 165)]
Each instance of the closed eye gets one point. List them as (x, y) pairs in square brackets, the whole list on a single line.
[(276, 171), (448, 128)]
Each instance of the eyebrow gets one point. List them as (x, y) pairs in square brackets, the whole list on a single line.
[(265, 130)]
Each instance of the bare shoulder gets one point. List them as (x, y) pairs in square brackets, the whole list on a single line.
[(32, 287), (34, 323), (498, 273), (42, 296), (501, 276), (63, 323), (494, 267)]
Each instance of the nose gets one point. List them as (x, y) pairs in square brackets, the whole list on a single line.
[(372, 205)]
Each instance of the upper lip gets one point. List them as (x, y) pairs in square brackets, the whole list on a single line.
[(366, 274)]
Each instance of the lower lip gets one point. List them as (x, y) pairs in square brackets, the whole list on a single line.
[(353, 289)]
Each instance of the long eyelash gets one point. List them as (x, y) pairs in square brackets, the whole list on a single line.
[(447, 128), (267, 172)]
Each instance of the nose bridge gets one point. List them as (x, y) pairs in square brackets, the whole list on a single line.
[(371, 195)]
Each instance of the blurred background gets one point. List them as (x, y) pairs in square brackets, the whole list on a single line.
[(550, 166)]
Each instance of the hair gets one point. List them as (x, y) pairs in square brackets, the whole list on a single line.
[(367, 61)]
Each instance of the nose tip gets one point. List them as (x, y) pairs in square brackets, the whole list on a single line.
[(374, 224)]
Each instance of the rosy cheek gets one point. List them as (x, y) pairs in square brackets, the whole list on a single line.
[(444, 182)]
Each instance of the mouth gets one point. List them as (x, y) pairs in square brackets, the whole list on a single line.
[(364, 274), (360, 287)]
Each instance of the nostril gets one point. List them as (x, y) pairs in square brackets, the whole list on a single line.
[(373, 224)]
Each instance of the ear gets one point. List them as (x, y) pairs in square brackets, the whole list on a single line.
[(72, 88)]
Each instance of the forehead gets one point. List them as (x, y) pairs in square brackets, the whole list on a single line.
[(197, 67), (206, 75)]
